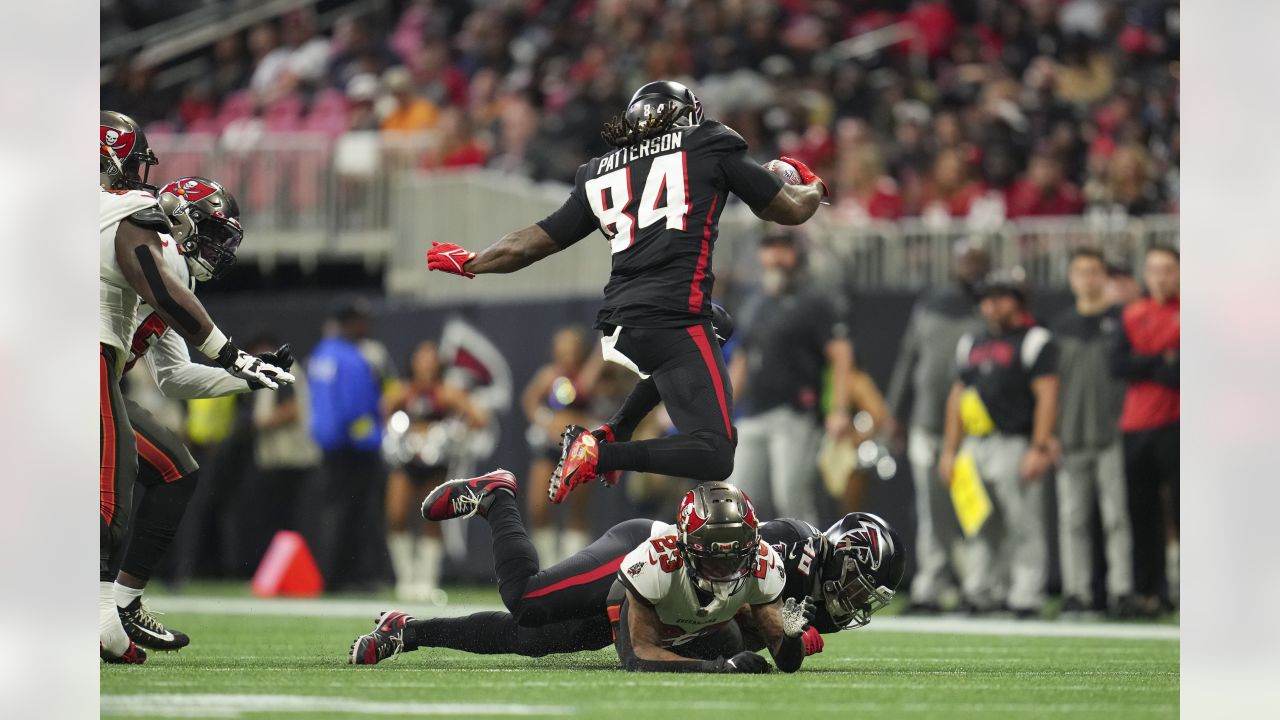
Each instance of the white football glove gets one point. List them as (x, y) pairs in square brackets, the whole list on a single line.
[(796, 616), (252, 369)]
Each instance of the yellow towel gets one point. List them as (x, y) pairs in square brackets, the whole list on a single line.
[(969, 496), (974, 416)]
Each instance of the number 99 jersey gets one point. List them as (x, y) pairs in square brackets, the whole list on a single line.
[(658, 202), (656, 576)]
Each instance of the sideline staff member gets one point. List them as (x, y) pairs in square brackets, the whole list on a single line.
[(1008, 391)]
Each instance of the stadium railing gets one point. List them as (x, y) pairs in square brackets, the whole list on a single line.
[(308, 198)]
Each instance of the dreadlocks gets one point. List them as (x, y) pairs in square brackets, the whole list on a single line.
[(621, 132)]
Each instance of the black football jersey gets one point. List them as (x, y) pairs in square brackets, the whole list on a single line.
[(658, 203), (800, 546)]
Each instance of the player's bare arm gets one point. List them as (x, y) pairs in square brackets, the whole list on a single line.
[(138, 252), (640, 649), (951, 434), (782, 632), (1039, 455), (794, 204), (516, 250)]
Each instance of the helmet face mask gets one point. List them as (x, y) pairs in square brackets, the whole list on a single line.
[(717, 536), (865, 563), (205, 223)]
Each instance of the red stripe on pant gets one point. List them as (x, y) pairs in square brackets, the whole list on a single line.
[(700, 270), (604, 570), (107, 457), (699, 336), (156, 458)]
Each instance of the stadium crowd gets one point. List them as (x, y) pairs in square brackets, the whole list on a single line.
[(980, 109)]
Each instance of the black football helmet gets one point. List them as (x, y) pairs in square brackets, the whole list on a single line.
[(718, 536), (655, 96), (205, 223), (864, 564), (125, 158)]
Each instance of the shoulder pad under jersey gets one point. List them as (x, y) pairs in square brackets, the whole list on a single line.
[(151, 218), (718, 135)]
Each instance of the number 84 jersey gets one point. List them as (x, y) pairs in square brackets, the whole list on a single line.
[(655, 574), (658, 202)]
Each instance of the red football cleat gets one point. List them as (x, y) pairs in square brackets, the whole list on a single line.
[(133, 656), (467, 496), (578, 457), (383, 643)]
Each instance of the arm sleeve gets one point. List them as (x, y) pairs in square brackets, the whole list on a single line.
[(790, 655), (573, 220), (749, 180), (1127, 364), (170, 364)]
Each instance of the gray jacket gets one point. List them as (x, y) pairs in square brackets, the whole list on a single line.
[(926, 366), (1089, 397)]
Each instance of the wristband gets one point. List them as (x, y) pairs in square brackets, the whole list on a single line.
[(213, 344)]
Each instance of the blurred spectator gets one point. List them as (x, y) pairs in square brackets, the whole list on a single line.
[(286, 459), (269, 59), (951, 191), (231, 72), (362, 93), (864, 191), (1122, 288), (842, 460), (1125, 187), (559, 395), (133, 88), (1146, 356), (427, 416), (197, 104), (918, 391), (788, 336), (458, 146), (999, 422), (1043, 190), (346, 422), (308, 52), (411, 111), (1092, 475)]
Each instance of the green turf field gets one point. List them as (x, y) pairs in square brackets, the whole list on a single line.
[(294, 666)]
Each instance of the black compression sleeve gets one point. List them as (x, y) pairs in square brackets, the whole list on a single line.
[(756, 186), (164, 300), (631, 663), (790, 655), (570, 223)]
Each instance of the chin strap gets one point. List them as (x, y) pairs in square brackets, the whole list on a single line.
[(719, 596)]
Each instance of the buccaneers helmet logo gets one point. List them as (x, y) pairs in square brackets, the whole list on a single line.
[(688, 518), (189, 189), (121, 143), (868, 544)]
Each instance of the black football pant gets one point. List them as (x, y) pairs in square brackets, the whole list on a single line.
[(1150, 464), (564, 608), (117, 464), (348, 532), (167, 474), (689, 375)]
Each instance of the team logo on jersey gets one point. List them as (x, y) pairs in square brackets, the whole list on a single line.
[(120, 143), (636, 569), (868, 543)]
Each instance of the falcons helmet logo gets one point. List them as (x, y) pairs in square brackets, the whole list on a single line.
[(867, 542)]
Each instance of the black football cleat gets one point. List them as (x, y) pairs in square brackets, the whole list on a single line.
[(142, 627), (385, 642), (465, 497), (133, 656)]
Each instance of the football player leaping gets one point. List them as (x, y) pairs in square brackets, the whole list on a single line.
[(136, 264), (657, 198), (851, 571), (208, 244)]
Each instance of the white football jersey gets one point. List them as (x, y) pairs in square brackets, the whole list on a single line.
[(117, 300), (655, 572)]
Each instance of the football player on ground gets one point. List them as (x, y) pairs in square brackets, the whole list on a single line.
[(136, 265), (851, 571), (207, 243), (658, 199)]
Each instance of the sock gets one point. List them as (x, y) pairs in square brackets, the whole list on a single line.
[(632, 455), (486, 633), (546, 541), (125, 595), (400, 547), (430, 560), (110, 632), (573, 541)]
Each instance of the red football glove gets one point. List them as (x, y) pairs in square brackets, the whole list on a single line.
[(449, 258), (806, 175), (812, 641), (604, 433)]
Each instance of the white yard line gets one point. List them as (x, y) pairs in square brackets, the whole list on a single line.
[(217, 705), (369, 609)]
